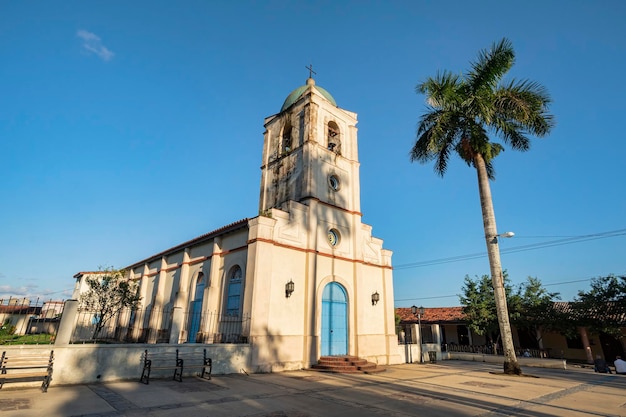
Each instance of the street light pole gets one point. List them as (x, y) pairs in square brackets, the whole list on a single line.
[(419, 311)]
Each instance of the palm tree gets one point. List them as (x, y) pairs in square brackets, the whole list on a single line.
[(463, 113)]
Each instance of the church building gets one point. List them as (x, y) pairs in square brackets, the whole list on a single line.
[(306, 273)]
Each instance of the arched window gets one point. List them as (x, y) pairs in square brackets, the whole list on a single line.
[(334, 140), (199, 292), (287, 140), (233, 299), (195, 316)]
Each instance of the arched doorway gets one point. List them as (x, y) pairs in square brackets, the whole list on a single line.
[(334, 337), (195, 315)]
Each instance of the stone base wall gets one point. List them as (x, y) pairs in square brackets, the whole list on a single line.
[(90, 363)]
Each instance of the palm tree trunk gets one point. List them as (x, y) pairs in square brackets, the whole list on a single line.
[(511, 366)]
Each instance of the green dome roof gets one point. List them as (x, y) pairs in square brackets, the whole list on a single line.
[(297, 93)]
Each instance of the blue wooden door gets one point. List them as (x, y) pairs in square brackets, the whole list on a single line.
[(194, 325), (334, 320), (195, 313)]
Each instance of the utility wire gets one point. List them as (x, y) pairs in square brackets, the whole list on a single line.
[(456, 295), (523, 248), (426, 298)]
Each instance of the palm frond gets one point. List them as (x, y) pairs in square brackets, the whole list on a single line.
[(437, 134), (491, 66), (513, 134), (522, 105), (441, 91), (441, 164), (520, 100)]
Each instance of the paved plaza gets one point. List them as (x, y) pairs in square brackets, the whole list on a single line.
[(450, 388)]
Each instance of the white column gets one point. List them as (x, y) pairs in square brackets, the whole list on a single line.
[(68, 320), (177, 321), (181, 302), (436, 329), (586, 345)]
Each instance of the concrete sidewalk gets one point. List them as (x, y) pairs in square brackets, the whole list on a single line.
[(450, 388)]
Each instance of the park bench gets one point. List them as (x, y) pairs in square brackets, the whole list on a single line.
[(176, 362), (15, 367)]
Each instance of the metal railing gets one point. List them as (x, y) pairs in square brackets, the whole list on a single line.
[(151, 325), (490, 350), (24, 321)]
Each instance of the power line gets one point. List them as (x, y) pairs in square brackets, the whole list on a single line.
[(567, 282), (523, 248), (456, 295), (426, 298), (57, 292)]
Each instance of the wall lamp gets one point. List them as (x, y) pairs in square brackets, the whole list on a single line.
[(289, 287), (375, 298)]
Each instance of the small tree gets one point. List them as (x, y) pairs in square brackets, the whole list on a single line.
[(109, 293), (479, 305), (533, 311), (602, 309)]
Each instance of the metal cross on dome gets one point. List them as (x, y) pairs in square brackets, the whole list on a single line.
[(311, 72)]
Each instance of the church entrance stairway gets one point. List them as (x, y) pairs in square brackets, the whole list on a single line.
[(345, 365)]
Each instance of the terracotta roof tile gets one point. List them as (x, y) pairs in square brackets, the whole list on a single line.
[(432, 315), (455, 314), (19, 309)]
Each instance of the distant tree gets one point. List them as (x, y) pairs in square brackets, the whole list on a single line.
[(479, 305), (109, 292), (533, 310), (531, 307), (464, 112), (603, 307)]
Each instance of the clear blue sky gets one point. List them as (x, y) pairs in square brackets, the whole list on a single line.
[(127, 128)]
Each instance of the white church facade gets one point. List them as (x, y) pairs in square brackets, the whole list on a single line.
[(306, 273)]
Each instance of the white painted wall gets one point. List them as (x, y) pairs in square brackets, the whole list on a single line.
[(89, 363)]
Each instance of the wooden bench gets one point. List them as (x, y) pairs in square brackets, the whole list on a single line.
[(175, 362), (16, 367)]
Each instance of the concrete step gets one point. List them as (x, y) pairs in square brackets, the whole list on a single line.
[(345, 365)]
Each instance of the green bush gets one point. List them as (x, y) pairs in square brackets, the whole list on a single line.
[(7, 329)]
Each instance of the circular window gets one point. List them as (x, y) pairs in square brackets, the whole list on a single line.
[(333, 237), (333, 182)]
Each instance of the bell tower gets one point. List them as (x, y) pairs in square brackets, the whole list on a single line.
[(310, 153), (309, 239)]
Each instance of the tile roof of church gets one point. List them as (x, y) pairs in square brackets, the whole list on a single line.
[(222, 230), (432, 315)]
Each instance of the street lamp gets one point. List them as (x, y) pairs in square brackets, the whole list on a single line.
[(419, 311), (506, 234)]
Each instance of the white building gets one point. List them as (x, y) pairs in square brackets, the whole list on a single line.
[(308, 274)]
